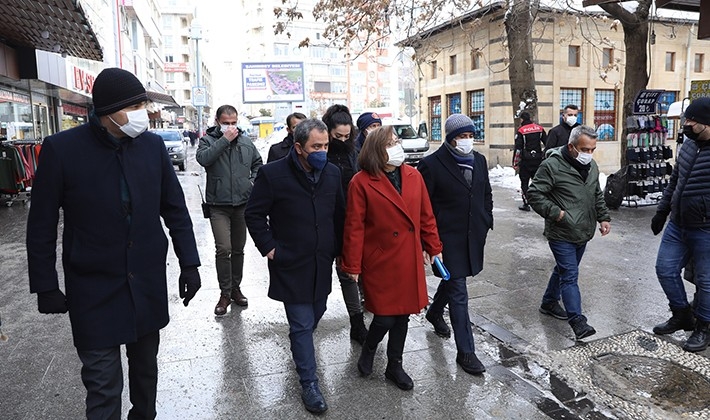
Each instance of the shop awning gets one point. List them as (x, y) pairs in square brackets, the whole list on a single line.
[(58, 26), (161, 98)]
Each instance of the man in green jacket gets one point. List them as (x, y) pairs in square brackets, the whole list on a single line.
[(231, 161), (566, 192)]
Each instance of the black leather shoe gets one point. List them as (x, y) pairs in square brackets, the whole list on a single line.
[(239, 298), (554, 310), (396, 374), (470, 363), (367, 358), (313, 399), (524, 207), (581, 328), (700, 338), (440, 327)]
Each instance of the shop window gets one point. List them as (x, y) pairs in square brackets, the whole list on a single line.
[(605, 114), (435, 115), (476, 111)]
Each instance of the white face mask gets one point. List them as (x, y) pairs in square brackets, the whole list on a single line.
[(464, 145), (571, 120), (138, 122), (396, 155), (583, 158), (223, 128)]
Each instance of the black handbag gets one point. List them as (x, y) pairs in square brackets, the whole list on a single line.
[(205, 206)]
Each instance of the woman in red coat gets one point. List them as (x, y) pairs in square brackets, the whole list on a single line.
[(388, 218)]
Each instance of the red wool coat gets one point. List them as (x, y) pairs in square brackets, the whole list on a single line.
[(384, 233)]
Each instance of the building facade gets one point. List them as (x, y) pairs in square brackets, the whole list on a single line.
[(579, 59)]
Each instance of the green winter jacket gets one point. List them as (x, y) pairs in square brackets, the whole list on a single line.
[(558, 186), (231, 167)]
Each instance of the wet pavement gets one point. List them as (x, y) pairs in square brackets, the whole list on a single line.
[(239, 365)]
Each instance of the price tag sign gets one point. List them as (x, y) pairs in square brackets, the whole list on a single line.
[(645, 102)]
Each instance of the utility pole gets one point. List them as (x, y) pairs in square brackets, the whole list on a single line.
[(199, 102)]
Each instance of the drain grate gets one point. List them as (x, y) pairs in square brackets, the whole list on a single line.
[(639, 376)]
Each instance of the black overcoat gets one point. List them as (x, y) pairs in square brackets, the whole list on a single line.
[(464, 213), (303, 222), (114, 264)]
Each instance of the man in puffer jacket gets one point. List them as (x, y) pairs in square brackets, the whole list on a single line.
[(566, 192), (686, 200), (231, 161)]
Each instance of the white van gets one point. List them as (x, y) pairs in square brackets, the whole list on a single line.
[(415, 144)]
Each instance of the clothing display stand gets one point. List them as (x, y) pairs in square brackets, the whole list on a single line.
[(18, 162), (648, 170)]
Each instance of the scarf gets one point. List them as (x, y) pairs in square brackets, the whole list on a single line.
[(464, 161)]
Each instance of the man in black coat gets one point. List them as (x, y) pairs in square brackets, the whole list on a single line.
[(295, 215), (114, 182), (559, 134), (456, 177), (281, 149), (529, 140)]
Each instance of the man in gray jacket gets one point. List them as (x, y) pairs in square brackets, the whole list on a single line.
[(231, 161)]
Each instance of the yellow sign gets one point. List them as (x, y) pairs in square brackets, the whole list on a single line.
[(699, 89)]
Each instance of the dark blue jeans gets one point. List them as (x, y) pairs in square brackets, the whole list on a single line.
[(102, 376), (563, 281), (678, 245), (302, 320), (454, 293)]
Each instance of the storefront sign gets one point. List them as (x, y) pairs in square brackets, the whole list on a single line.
[(5, 96), (175, 67), (20, 98), (645, 102), (83, 80), (699, 89), (74, 110)]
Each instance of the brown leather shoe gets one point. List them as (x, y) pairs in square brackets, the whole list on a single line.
[(239, 298), (221, 308)]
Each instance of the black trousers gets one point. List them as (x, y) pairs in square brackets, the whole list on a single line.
[(396, 326), (102, 376), (526, 172)]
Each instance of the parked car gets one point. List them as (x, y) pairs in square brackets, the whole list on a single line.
[(415, 145), (175, 144)]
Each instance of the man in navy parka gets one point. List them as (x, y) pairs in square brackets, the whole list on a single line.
[(114, 183)]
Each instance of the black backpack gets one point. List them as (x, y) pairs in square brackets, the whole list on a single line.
[(615, 189)]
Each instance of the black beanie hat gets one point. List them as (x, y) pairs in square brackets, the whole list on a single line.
[(699, 111), (115, 89)]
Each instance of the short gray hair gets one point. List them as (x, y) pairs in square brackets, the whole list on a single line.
[(579, 131), (304, 128)]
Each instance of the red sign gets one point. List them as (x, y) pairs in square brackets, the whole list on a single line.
[(74, 110), (175, 67), (83, 80)]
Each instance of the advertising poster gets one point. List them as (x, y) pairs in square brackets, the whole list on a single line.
[(272, 82)]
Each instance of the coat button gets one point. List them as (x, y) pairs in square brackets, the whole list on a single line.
[(130, 276), (130, 244), (395, 234)]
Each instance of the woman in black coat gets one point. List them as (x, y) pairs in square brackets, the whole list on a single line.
[(457, 180)]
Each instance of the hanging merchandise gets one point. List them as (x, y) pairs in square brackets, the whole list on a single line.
[(18, 163)]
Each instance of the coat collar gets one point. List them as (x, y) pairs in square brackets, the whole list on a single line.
[(384, 187), (450, 164)]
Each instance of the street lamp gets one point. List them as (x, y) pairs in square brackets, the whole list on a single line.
[(196, 34)]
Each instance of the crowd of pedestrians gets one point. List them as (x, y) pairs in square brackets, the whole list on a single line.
[(326, 198)]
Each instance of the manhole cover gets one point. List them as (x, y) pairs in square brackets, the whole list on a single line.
[(639, 376)]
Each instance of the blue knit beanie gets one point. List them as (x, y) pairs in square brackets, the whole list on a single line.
[(367, 119), (457, 124)]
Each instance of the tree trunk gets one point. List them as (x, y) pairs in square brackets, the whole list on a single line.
[(521, 70)]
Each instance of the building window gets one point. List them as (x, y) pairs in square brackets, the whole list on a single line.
[(452, 64), (338, 87), (185, 40), (699, 59), (670, 61), (664, 102), (337, 71), (573, 56), (572, 97), (605, 114), (168, 41), (167, 22), (435, 115), (318, 52), (170, 77), (475, 60), (280, 49), (476, 111), (168, 58), (187, 94), (607, 57), (454, 103), (323, 87), (434, 70)]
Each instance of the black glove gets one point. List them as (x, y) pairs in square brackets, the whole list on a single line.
[(189, 283), (52, 302), (657, 223)]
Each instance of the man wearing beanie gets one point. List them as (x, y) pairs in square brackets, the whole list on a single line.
[(559, 134), (366, 122), (687, 234), (114, 182), (456, 177), (527, 155)]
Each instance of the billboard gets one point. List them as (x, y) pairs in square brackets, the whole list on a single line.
[(272, 82)]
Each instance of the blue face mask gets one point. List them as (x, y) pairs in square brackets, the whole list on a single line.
[(317, 160)]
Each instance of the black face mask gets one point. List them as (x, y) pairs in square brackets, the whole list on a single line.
[(689, 133)]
